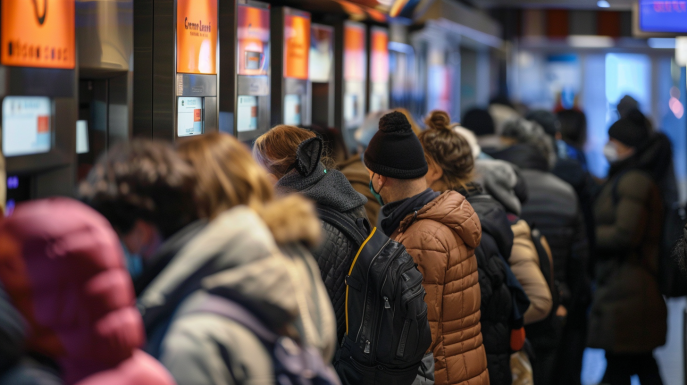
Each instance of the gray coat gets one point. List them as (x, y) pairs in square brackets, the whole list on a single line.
[(239, 255)]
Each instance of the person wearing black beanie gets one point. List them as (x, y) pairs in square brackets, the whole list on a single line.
[(440, 231), (626, 136)]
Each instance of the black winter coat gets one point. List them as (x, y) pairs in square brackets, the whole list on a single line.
[(497, 303), (553, 208)]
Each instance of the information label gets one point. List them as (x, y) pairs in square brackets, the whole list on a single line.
[(292, 110), (38, 33), (247, 116)]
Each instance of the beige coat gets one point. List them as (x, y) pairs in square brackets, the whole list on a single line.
[(442, 237), (524, 262)]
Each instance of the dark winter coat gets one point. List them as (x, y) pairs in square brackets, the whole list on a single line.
[(497, 302), (553, 208), (330, 189), (629, 314)]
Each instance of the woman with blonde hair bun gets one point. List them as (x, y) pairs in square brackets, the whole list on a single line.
[(451, 166), (259, 240)]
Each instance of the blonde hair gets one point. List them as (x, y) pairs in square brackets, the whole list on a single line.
[(227, 174), (447, 149)]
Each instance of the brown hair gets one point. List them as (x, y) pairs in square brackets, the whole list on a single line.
[(227, 174), (447, 149), (413, 125), (276, 149)]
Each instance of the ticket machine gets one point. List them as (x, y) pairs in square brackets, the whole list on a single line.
[(290, 80), (176, 77), (38, 97), (378, 87)]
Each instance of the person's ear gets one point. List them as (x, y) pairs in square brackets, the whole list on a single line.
[(142, 239), (382, 181), (434, 173)]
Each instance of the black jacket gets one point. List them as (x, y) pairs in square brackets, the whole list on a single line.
[(497, 303), (330, 189), (553, 208)]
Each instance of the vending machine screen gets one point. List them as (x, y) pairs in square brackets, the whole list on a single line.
[(26, 125), (292, 110), (189, 116), (247, 113)]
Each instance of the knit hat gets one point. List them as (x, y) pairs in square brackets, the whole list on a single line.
[(629, 132), (394, 150), (479, 121)]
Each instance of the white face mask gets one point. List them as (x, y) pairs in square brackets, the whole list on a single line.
[(611, 152)]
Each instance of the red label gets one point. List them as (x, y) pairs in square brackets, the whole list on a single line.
[(43, 124), (196, 115)]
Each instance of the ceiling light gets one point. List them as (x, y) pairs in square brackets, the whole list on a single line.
[(662, 42), (590, 41), (603, 4)]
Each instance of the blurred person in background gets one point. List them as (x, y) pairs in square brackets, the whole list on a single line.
[(293, 158), (502, 110), (451, 166), (63, 269), (481, 123), (257, 244), (413, 124), (628, 317), (553, 209), (441, 232)]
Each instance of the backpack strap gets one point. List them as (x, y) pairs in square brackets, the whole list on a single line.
[(344, 224), (229, 309)]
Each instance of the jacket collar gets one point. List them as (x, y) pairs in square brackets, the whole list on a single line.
[(395, 212)]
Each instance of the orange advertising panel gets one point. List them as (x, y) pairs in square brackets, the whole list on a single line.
[(196, 36), (354, 52), (379, 73), (253, 40), (38, 33), (296, 46)]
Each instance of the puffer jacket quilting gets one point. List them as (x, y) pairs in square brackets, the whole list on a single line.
[(442, 237), (334, 257)]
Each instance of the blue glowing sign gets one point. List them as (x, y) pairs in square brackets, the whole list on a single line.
[(669, 16)]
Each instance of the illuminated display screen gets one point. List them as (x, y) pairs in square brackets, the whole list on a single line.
[(296, 46), (292, 110), (196, 36), (253, 37), (247, 113), (379, 70), (669, 16), (189, 116), (321, 53), (26, 125), (354, 52)]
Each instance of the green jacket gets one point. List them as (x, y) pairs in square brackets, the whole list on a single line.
[(628, 313)]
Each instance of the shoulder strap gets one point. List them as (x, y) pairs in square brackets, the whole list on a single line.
[(229, 309), (342, 223)]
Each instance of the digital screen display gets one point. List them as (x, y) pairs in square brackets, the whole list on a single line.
[(668, 16), (189, 116), (379, 67), (196, 36), (253, 40), (81, 136), (321, 53), (247, 113), (26, 125), (292, 110), (355, 58), (296, 46)]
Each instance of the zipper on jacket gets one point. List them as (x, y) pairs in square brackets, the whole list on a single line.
[(367, 347), (386, 303)]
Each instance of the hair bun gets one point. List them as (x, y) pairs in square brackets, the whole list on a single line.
[(438, 120), (308, 156), (394, 122)]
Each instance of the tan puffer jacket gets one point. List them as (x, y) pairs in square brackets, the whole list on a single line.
[(524, 262), (442, 237)]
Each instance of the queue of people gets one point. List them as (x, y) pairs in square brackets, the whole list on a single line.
[(212, 263)]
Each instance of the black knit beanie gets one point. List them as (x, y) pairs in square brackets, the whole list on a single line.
[(395, 151), (628, 132)]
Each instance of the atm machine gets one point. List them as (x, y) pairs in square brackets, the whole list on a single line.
[(378, 85), (176, 77), (291, 91), (351, 59), (322, 74), (38, 97)]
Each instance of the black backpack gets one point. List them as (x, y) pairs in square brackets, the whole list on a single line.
[(293, 364), (387, 332)]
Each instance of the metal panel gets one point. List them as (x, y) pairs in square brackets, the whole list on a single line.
[(211, 124), (143, 75), (36, 81), (164, 69), (253, 85), (196, 85), (104, 32)]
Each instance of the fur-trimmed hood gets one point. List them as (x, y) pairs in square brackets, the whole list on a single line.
[(292, 220)]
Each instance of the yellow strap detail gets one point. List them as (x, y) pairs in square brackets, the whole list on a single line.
[(351, 271)]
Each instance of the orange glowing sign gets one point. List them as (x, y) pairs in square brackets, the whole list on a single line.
[(253, 40), (38, 33), (379, 59), (354, 52), (296, 46), (196, 36)]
